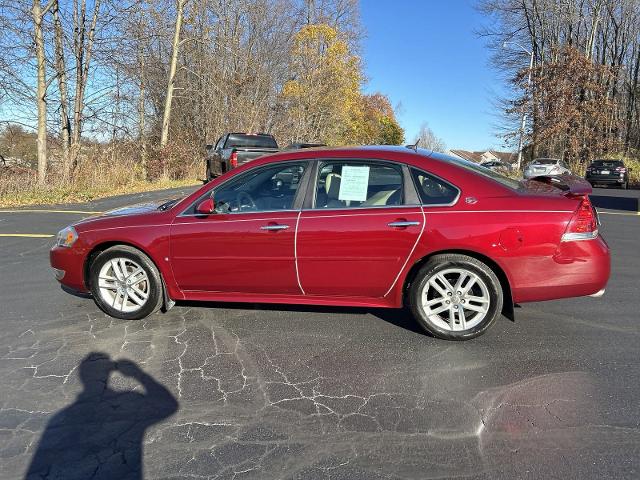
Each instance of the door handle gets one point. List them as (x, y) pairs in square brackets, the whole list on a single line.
[(403, 223), (274, 227)]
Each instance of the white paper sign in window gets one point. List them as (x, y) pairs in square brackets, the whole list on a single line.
[(354, 183)]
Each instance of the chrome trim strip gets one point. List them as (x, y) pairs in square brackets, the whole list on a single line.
[(403, 224), (295, 253), (274, 227), (377, 207), (424, 220), (234, 220), (237, 213)]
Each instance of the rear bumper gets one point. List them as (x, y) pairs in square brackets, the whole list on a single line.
[(578, 268), (610, 180), (68, 267)]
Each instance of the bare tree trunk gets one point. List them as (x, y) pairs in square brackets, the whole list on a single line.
[(38, 14), (83, 51), (166, 118), (141, 113), (61, 74)]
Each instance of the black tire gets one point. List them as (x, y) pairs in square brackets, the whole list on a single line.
[(155, 291), (209, 176), (439, 263), (625, 185)]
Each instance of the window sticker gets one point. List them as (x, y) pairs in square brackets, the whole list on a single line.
[(354, 183)]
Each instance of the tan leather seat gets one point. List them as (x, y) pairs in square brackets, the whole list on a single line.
[(379, 198), (332, 189)]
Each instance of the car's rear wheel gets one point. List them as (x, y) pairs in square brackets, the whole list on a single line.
[(125, 283), (456, 297)]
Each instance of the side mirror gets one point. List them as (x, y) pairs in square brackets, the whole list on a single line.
[(206, 207), (208, 147)]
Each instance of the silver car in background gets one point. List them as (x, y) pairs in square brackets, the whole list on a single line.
[(545, 166)]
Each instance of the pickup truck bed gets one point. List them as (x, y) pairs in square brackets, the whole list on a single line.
[(234, 149)]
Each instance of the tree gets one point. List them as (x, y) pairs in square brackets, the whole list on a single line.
[(175, 49), (38, 13), (427, 139), (375, 122), (574, 112), (600, 36), (324, 90)]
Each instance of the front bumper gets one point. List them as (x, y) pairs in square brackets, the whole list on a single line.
[(68, 266)]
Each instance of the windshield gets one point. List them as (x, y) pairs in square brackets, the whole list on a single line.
[(169, 203), (477, 168), (251, 141)]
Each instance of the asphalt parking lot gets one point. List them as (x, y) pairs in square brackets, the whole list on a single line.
[(271, 392)]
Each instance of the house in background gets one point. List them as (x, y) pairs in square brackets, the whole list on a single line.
[(485, 156)]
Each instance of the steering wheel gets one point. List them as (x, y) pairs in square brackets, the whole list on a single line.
[(248, 201)]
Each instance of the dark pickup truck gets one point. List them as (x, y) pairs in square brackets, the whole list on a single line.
[(234, 149)]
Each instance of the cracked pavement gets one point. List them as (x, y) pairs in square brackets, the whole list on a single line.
[(231, 391)]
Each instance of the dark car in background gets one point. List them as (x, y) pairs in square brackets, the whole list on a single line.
[(608, 172), (235, 149)]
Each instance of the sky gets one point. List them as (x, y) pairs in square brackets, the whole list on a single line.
[(426, 56)]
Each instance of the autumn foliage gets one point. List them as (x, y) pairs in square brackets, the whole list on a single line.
[(570, 107), (323, 99)]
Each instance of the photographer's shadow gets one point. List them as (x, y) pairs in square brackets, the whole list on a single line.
[(100, 435)]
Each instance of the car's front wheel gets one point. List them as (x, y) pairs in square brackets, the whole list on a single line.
[(125, 283), (456, 297)]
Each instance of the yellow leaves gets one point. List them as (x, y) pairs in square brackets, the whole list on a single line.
[(293, 88), (324, 98)]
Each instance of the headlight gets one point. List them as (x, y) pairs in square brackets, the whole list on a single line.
[(66, 237)]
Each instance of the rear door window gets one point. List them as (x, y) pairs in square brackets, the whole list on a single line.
[(349, 184), (433, 190)]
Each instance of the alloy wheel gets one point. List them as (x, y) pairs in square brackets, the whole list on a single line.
[(455, 299), (123, 284)]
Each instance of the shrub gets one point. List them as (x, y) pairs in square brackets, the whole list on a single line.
[(102, 171)]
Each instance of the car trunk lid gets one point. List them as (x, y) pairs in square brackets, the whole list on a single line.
[(567, 185)]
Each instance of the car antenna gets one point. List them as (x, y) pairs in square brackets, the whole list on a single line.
[(414, 147)]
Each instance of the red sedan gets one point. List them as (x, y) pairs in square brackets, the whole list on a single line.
[(455, 242)]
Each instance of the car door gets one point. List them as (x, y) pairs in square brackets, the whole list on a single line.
[(358, 230), (247, 244)]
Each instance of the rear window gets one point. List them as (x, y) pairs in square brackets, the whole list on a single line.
[(485, 172), (607, 163), (546, 161), (251, 141)]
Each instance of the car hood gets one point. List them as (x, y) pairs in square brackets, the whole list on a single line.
[(139, 208)]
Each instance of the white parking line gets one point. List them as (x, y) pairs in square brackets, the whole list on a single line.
[(27, 235), (606, 212), (81, 212)]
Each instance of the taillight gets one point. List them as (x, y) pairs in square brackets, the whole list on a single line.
[(233, 160), (584, 223)]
